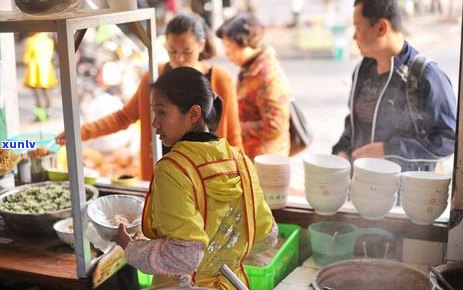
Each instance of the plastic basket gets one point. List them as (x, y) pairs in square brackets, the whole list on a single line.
[(42, 140), (144, 280), (285, 260), (267, 277)]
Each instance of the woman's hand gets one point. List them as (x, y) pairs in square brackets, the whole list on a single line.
[(122, 238), (343, 154), (372, 150), (60, 139)]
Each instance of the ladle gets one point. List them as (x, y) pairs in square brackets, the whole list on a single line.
[(232, 278)]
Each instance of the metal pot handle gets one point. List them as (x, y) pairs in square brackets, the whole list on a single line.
[(374, 231)]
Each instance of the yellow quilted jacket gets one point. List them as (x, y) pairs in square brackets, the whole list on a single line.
[(208, 192)]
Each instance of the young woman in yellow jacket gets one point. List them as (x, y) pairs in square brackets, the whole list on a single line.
[(205, 208)]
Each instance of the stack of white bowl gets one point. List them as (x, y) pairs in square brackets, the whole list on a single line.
[(327, 179), (274, 173), (424, 195), (374, 187)]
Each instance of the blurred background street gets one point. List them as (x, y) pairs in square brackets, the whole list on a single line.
[(319, 76)]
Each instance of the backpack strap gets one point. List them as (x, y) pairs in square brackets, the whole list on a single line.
[(415, 73)]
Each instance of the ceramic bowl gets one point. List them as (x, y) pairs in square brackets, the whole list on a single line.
[(64, 230), (325, 204), (376, 165), (339, 178), (328, 189), (108, 211), (376, 171), (274, 173), (273, 170), (378, 179), (325, 164), (424, 191), (425, 196), (425, 200), (362, 188), (373, 209), (425, 179), (423, 214)]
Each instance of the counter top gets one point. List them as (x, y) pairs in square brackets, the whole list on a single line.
[(300, 278), (48, 261)]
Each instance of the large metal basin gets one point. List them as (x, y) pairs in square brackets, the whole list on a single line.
[(37, 224), (371, 274)]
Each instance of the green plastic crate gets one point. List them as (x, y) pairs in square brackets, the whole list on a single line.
[(144, 280), (263, 278), (285, 260)]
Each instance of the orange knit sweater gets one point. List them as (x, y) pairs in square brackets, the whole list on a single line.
[(138, 108)]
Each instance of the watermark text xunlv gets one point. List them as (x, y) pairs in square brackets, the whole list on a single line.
[(26, 144)]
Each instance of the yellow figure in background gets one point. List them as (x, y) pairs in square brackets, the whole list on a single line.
[(40, 73)]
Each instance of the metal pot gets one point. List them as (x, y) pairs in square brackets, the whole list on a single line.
[(453, 273), (36, 224), (378, 274)]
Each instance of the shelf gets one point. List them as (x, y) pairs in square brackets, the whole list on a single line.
[(80, 19), (70, 28)]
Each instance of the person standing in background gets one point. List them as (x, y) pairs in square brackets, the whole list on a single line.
[(204, 9), (188, 43), (40, 73), (380, 123), (297, 6), (263, 89)]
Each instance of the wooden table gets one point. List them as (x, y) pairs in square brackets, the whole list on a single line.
[(49, 262)]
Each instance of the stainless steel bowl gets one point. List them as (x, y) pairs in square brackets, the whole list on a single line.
[(46, 7), (36, 224)]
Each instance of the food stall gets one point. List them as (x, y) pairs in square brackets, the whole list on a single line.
[(49, 263), (43, 261)]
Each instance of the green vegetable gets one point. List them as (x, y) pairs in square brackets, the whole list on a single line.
[(39, 199)]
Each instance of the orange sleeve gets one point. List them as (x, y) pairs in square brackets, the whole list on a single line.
[(224, 85), (116, 121)]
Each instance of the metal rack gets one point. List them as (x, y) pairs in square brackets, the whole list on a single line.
[(70, 29)]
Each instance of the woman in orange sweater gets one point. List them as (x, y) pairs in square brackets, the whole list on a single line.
[(188, 43)]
